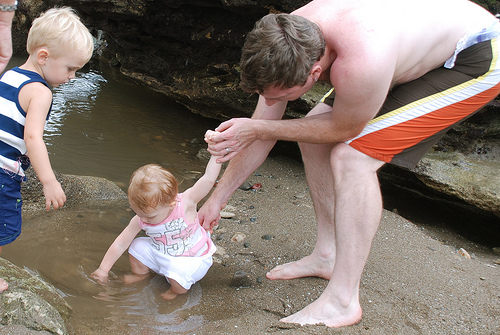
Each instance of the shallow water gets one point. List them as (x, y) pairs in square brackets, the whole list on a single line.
[(108, 127)]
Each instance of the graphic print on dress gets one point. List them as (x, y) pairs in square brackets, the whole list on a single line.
[(174, 240)]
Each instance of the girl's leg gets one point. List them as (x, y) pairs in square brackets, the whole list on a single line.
[(174, 290), (139, 270)]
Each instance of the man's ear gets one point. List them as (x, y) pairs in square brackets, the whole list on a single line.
[(316, 71), (42, 54)]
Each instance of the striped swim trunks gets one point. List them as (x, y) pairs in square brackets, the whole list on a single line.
[(417, 114)]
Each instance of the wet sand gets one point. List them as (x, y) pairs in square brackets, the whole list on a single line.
[(413, 283)]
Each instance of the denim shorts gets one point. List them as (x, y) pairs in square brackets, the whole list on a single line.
[(10, 209)]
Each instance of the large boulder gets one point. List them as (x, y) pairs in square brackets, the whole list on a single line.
[(30, 302), (189, 50)]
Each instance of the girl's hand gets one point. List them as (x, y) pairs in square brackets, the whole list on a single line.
[(100, 276), (231, 137)]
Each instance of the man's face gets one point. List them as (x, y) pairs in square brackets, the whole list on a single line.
[(275, 94)]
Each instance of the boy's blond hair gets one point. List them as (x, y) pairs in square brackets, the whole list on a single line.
[(60, 30), (151, 186)]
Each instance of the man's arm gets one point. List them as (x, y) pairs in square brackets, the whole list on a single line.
[(6, 18), (240, 167), (360, 93)]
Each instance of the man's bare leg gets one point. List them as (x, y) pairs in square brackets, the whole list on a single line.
[(320, 262), (358, 209)]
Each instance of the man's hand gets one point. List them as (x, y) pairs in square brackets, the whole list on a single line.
[(209, 214), (231, 137)]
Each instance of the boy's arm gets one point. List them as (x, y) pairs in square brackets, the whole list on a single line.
[(204, 185), (117, 248), (38, 99)]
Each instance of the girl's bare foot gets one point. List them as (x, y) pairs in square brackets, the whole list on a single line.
[(169, 295), (3, 285), (309, 266)]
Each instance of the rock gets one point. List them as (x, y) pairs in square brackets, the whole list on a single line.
[(226, 215), (200, 71), (31, 302), (240, 279), (238, 237), (78, 190), (453, 173), (245, 186), (464, 253)]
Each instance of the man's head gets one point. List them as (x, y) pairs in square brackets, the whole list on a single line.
[(60, 31), (280, 51)]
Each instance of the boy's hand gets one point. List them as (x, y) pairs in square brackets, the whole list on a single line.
[(54, 195), (100, 276)]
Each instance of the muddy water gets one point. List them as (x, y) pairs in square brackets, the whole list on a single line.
[(103, 126)]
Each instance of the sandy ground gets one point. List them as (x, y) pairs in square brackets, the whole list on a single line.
[(412, 283)]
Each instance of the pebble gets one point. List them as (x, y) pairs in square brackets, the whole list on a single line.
[(267, 237), (240, 279), (463, 252), (238, 237), (245, 186), (230, 208), (226, 215), (220, 251)]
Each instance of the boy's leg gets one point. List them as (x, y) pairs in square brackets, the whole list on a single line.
[(3, 283), (10, 213)]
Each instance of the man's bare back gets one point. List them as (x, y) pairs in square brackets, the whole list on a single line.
[(412, 40)]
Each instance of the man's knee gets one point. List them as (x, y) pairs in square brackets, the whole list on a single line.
[(345, 158)]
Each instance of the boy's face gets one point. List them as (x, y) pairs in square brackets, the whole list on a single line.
[(154, 215), (61, 69)]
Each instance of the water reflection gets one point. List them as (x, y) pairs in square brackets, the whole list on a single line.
[(103, 125)]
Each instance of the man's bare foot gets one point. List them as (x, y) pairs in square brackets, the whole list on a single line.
[(134, 278), (309, 266), (3, 285), (323, 311)]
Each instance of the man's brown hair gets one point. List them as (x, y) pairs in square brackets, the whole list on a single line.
[(280, 51)]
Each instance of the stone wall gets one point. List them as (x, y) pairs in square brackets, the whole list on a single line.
[(189, 50)]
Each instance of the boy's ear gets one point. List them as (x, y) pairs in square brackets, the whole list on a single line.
[(42, 55)]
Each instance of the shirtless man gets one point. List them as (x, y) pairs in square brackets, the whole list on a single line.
[(399, 85)]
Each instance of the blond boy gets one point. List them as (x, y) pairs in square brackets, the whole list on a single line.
[(58, 45)]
